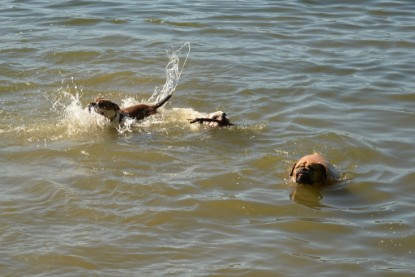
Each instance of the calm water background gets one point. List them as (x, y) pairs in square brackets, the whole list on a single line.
[(80, 198)]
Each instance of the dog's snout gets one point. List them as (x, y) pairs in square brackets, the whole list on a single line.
[(91, 105), (303, 170), (303, 176)]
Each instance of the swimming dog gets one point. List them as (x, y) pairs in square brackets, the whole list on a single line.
[(313, 170), (114, 113), (216, 119)]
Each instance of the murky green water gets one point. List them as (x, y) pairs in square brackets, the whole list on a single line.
[(79, 197)]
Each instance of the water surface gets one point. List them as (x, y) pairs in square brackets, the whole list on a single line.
[(81, 197)]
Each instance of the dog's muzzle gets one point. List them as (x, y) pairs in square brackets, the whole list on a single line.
[(92, 107), (303, 176)]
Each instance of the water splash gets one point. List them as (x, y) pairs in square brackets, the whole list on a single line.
[(76, 119), (74, 116), (173, 72)]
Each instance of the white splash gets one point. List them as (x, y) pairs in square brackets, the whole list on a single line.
[(77, 119), (173, 72)]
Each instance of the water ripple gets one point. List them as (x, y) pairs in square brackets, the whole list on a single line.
[(80, 196)]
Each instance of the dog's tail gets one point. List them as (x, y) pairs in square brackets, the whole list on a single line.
[(163, 101)]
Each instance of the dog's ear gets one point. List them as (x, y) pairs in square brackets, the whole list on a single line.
[(323, 171), (292, 170)]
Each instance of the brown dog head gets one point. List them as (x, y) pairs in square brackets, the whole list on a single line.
[(105, 108), (309, 174), (313, 170)]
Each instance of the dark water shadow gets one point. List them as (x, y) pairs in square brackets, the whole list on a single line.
[(320, 197)]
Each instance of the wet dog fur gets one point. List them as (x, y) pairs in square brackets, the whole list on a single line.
[(216, 119), (114, 113), (313, 170)]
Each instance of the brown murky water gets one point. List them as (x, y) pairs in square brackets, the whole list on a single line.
[(82, 197)]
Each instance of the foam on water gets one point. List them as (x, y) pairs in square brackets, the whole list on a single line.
[(77, 118)]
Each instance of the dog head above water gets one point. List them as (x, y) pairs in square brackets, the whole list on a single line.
[(313, 170), (216, 119), (105, 108), (221, 117)]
